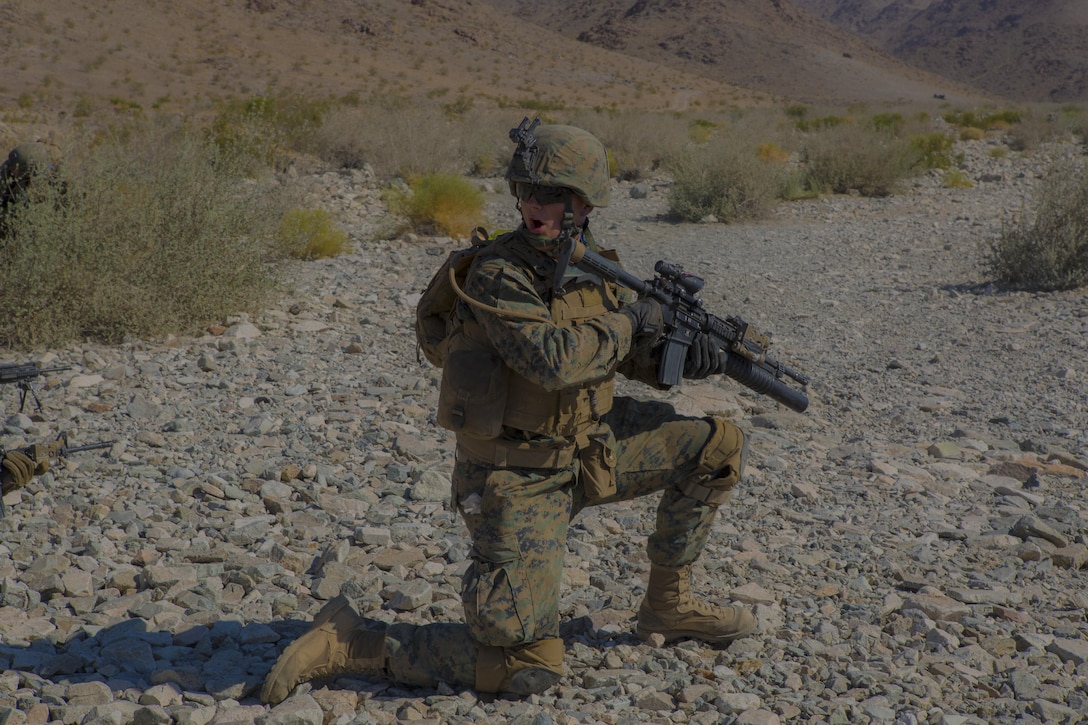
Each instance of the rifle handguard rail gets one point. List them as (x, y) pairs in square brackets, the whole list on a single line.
[(747, 361)]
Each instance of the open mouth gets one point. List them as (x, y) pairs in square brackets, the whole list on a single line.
[(535, 225)]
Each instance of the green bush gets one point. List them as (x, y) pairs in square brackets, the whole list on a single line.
[(724, 178), (819, 124), (934, 150), (1051, 251), (155, 232), (700, 130), (439, 204), (851, 157), (269, 130), (797, 110), (888, 122), (793, 185), (310, 234), (956, 179), (994, 120)]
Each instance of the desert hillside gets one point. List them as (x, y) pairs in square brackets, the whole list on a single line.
[(778, 47), (186, 56), (1023, 50), (128, 56)]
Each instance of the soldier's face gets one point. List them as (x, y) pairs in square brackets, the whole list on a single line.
[(547, 219)]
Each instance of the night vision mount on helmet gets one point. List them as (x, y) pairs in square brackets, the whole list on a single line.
[(557, 155)]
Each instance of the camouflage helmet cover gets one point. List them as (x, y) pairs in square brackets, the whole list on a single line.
[(557, 155)]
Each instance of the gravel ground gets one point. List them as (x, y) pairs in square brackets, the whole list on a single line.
[(914, 543)]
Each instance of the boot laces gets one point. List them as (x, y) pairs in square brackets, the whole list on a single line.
[(698, 605)]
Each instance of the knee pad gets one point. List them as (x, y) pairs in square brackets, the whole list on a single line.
[(720, 465), (525, 670)]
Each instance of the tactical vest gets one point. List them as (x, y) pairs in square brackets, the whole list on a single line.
[(481, 395)]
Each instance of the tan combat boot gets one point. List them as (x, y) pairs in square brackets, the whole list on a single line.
[(669, 609), (337, 643)]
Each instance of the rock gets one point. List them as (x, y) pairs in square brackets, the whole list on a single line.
[(937, 607), (1071, 557), (430, 485), (1070, 650)]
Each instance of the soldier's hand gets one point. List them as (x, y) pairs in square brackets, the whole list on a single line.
[(647, 324), (704, 358), (18, 469)]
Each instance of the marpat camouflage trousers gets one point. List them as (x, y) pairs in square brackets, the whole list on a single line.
[(518, 519)]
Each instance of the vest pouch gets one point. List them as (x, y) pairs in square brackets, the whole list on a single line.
[(597, 458), (473, 394)]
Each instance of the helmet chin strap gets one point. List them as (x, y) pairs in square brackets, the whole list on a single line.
[(565, 243)]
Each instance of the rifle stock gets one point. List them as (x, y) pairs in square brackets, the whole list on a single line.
[(747, 361)]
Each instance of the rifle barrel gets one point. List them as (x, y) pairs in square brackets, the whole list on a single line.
[(15, 373), (89, 447)]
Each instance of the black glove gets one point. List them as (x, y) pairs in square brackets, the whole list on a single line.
[(647, 324), (704, 358)]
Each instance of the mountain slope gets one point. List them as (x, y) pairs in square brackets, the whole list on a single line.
[(185, 55), (773, 46), (1022, 50)]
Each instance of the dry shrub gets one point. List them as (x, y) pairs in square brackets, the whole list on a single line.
[(1051, 251), (724, 178), (1035, 129), (848, 157), (772, 153), (270, 130), (970, 133), (155, 231), (439, 204), (397, 141)]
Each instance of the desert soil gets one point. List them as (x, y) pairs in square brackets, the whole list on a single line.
[(913, 543)]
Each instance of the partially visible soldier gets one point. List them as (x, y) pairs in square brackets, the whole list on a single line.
[(16, 470), (528, 387), (25, 163)]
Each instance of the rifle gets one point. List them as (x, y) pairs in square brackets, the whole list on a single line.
[(747, 361), (47, 452), (22, 375)]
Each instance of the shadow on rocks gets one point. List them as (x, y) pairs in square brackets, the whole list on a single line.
[(226, 660)]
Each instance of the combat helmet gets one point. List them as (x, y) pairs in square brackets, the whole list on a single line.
[(26, 160), (557, 155)]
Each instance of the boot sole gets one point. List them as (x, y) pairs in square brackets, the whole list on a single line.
[(532, 681), (645, 634)]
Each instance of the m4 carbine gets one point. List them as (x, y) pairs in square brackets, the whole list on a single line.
[(747, 361), (23, 376)]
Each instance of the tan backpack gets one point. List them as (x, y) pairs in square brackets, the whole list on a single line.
[(436, 308)]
